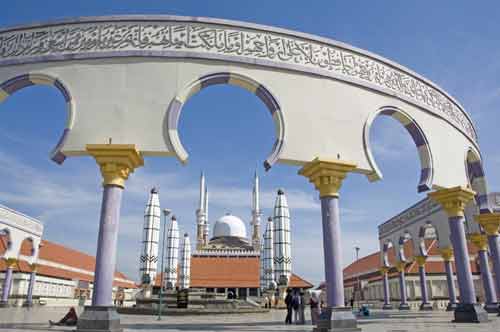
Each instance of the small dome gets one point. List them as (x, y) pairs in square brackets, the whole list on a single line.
[(230, 225)]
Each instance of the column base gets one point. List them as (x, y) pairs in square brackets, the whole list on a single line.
[(470, 313), (99, 319), (491, 307), (387, 307), (404, 306), (4, 304), (27, 304), (337, 319), (426, 307), (451, 306)]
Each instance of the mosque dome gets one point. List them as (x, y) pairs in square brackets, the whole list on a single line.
[(229, 226)]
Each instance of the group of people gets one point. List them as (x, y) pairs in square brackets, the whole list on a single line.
[(295, 302)]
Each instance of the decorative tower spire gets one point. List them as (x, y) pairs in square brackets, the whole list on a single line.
[(150, 237), (172, 255), (185, 266), (256, 214), (268, 256), (205, 210), (282, 241), (200, 214)]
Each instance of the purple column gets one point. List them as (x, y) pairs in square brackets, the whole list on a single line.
[(6, 284), (494, 245), (425, 305), (451, 285), (462, 260), (106, 246), (402, 289), (489, 287), (387, 294), (332, 251), (31, 285)]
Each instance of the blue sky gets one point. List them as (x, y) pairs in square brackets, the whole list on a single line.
[(228, 132)]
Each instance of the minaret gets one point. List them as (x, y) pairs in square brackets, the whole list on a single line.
[(172, 255), (256, 214), (150, 237), (206, 225), (185, 267), (282, 245), (268, 255), (200, 215)]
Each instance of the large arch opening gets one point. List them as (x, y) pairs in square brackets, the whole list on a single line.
[(175, 108), (418, 137), (20, 82)]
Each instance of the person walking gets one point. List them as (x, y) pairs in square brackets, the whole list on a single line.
[(288, 302), (296, 306), (302, 306), (314, 304)]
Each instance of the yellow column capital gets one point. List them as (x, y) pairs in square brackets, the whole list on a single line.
[(11, 262), (453, 200), (116, 161), (479, 240), (446, 253), (490, 222), (34, 267), (420, 260), (383, 270), (400, 266), (327, 175)]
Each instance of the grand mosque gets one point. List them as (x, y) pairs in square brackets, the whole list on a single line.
[(229, 261)]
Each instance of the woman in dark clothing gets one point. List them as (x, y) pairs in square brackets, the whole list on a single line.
[(69, 320)]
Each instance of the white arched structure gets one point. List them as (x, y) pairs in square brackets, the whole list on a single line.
[(126, 78), (426, 219), (19, 227)]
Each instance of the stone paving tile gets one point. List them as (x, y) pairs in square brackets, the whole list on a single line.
[(20, 320)]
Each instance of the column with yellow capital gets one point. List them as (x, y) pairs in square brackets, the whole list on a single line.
[(491, 223), (481, 242), (116, 162), (425, 305), (7, 282), (385, 282), (31, 285), (447, 254), (453, 201), (403, 305), (327, 177)]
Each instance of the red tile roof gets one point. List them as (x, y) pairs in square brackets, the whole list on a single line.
[(230, 272), (59, 254)]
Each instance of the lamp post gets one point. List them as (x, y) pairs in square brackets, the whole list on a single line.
[(166, 212), (357, 278)]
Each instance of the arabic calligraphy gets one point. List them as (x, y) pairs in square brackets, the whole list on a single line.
[(81, 38)]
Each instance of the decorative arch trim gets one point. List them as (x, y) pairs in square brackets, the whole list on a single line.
[(17, 83), (175, 108), (477, 180), (416, 133)]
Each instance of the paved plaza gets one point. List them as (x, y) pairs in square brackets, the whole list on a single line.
[(20, 319)]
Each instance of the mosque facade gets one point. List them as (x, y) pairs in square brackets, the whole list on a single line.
[(230, 261)]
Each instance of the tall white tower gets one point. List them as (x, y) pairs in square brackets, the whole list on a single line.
[(206, 224), (150, 237), (268, 255), (185, 267), (282, 245), (201, 215), (256, 214), (172, 255)]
